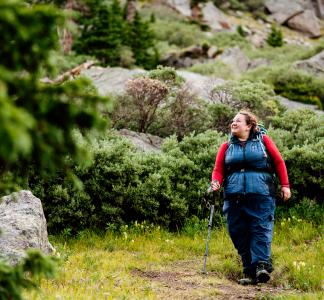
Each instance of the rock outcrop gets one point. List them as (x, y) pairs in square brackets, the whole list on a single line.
[(113, 80), (22, 225), (282, 10), (143, 141), (299, 15), (181, 6), (307, 23), (213, 17), (314, 65), (110, 80), (200, 85), (236, 59)]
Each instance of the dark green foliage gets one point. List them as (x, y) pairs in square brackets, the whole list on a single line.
[(237, 5), (152, 18), (123, 185), (184, 114), (224, 40), (306, 209), (275, 38), (230, 4), (105, 33), (141, 41), (241, 31), (255, 96), (167, 75), (245, 5), (37, 120), (299, 136), (25, 275), (300, 86), (221, 116), (177, 33)]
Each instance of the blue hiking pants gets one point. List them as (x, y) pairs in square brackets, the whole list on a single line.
[(250, 225)]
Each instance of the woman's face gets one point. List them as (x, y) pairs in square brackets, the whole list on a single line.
[(239, 127)]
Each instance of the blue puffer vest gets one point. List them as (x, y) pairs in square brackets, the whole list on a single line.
[(248, 168)]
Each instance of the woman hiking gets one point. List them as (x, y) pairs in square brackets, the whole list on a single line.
[(245, 165)]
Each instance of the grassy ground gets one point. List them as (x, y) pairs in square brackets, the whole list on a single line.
[(145, 262)]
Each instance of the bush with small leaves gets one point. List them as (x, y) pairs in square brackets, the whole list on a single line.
[(255, 96), (146, 94), (275, 38), (299, 136), (300, 86), (25, 275)]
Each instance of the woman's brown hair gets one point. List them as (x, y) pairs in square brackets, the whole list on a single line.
[(250, 119)]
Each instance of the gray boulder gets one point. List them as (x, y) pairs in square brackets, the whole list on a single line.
[(214, 17), (283, 10), (113, 80), (313, 65), (181, 6), (143, 141), (299, 14), (307, 23), (293, 105), (236, 59), (110, 80), (200, 85), (23, 226)]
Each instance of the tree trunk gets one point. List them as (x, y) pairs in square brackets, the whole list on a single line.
[(67, 35), (131, 10)]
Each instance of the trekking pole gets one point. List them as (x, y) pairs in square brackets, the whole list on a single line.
[(212, 207)]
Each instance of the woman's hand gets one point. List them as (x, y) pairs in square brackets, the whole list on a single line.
[(285, 192), (215, 185)]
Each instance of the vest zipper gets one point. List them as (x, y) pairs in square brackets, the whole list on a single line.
[(244, 178)]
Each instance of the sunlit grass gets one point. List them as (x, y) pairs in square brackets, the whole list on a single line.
[(107, 266)]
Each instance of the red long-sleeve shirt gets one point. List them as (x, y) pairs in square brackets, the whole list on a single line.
[(280, 166)]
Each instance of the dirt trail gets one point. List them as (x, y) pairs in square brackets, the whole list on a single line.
[(182, 281)]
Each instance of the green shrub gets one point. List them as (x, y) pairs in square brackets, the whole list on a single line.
[(246, 5), (26, 275), (257, 97), (306, 209), (160, 104), (224, 40), (216, 68), (281, 56), (275, 38), (294, 84), (177, 33), (122, 185), (265, 74), (300, 86), (299, 136), (183, 114), (221, 116), (241, 31), (105, 33)]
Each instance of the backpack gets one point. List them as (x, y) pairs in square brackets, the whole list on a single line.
[(261, 131)]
